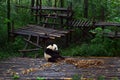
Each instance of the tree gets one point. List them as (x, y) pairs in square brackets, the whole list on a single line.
[(86, 8)]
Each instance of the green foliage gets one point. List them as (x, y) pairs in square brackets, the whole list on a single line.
[(99, 32), (101, 78), (86, 50), (76, 77), (99, 46), (16, 76), (114, 10), (40, 78), (115, 78)]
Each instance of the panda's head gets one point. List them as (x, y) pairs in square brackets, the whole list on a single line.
[(53, 47)]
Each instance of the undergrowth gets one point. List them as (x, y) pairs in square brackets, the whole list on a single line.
[(98, 46)]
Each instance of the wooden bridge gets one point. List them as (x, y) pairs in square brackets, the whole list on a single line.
[(29, 68)]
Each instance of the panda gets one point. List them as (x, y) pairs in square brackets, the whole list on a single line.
[(51, 53)]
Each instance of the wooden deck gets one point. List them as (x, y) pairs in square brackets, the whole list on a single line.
[(29, 68)]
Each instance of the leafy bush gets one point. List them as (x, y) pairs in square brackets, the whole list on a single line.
[(99, 46)]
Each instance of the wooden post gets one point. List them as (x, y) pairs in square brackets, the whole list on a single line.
[(8, 16), (61, 5), (32, 5), (12, 36), (40, 10), (37, 9), (102, 13), (49, 2), (86, 8), (55, 3)]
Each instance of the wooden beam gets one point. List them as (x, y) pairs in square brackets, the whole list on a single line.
[(62, 3), (32, 43), (32, 5)]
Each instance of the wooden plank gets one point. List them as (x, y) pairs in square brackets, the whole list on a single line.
[(47, 32), (35, 32), (73, 22), (54, 17), (26, 45), (22, 6), (49, 29), (107, 24), (88, 23), (63, 15), (48, 23), (58, 70), (26, 33), (82, 23), (24, 28), (30, 32), (51, 8), (79, 24)]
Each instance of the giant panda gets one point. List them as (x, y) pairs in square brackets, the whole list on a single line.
[(51, 53)]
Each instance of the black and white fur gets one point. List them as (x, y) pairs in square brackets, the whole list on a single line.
[(51, 53)]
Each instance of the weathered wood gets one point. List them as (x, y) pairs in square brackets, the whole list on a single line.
[(32, 5), (63, 15), (26, 45), (35, 30), (35, 44), (36, 67), (48, 23), (51, 8), (97, 24), (49, 29)]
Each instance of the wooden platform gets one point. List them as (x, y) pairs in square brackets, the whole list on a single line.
[(35, 30), (29, 68)]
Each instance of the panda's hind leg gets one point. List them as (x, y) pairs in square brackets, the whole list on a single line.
[(52, 60)]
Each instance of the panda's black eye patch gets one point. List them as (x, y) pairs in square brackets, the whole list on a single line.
[(55, 48)]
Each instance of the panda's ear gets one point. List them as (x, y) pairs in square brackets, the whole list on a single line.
[(50, 47)]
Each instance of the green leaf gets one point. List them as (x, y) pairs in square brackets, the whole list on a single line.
[(40, 78)]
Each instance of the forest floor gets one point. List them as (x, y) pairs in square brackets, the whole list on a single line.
[(33, 68)]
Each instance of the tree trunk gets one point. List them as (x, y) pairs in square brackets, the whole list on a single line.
[(8, 16), (102, 13), (86, 8)]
